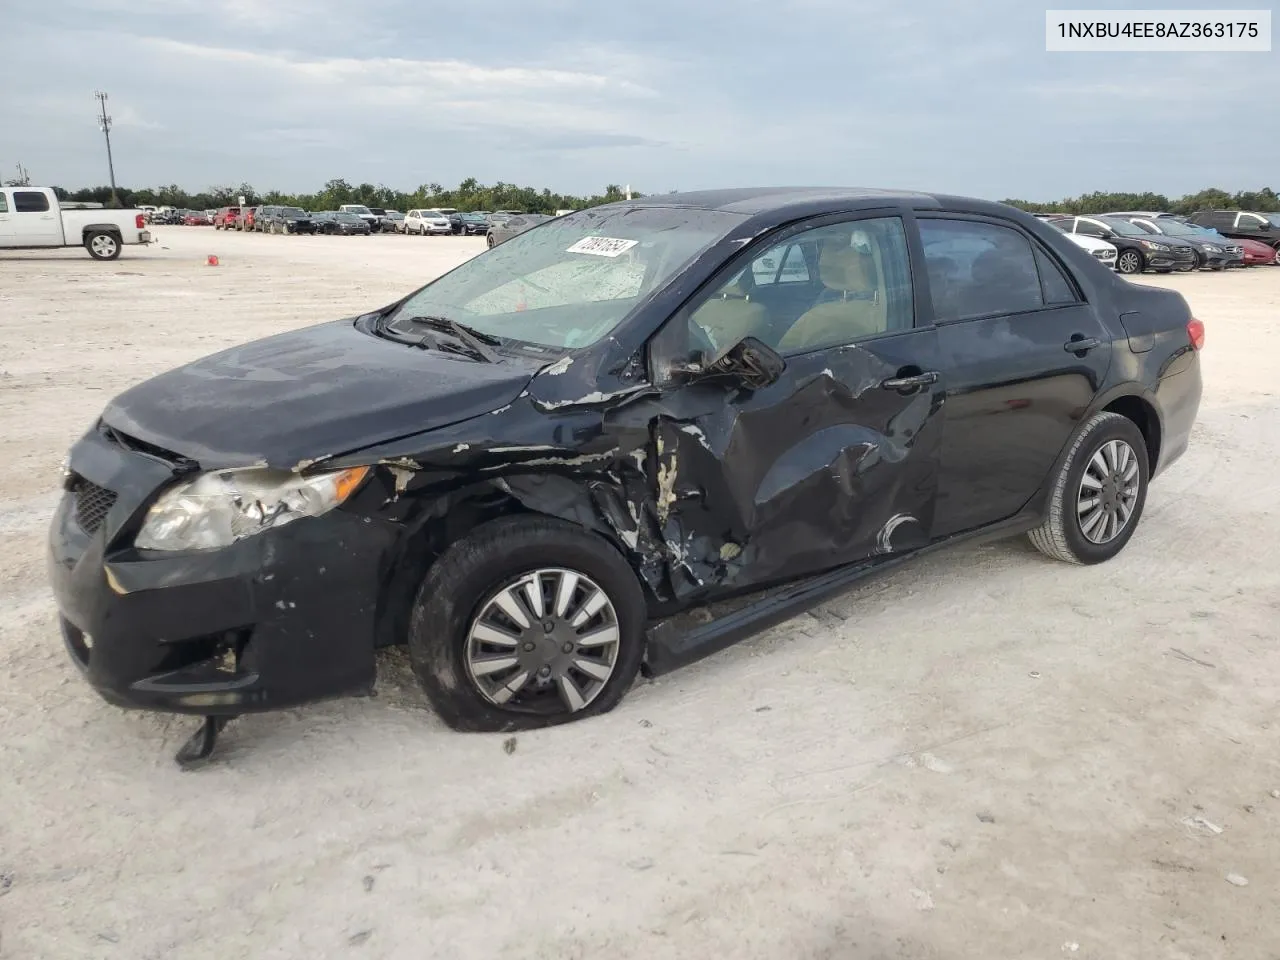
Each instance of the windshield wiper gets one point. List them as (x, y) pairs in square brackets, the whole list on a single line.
[(474, 339)]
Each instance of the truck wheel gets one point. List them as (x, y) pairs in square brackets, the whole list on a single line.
[(527, 622), (102, 245), (1097, 497)]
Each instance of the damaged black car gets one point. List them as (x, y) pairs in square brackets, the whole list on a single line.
[(617, 442)]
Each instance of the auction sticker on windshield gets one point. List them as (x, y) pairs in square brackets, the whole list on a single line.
[(602, 246)]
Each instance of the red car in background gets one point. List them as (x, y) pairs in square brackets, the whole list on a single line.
[(1255, 252), (196, 219), (225, 218), (248, 216)]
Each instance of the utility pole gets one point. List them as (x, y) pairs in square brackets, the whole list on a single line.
[(105, 123)]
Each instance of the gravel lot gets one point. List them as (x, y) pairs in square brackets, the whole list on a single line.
[(984, 755)]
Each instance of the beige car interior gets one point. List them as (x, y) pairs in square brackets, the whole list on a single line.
[(852, 305)]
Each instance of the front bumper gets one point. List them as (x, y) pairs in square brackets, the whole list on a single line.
[(283, 618), (1170, 259)]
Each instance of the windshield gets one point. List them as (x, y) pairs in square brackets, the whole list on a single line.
[(1124, 227), (356, 209), (293, 212), (1175, 228), (567, 283), (348, 217), (1273, 219)]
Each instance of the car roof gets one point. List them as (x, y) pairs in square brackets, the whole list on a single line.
[(756, 200)]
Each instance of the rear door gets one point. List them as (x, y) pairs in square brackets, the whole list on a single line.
[(1024, 356), (34, 220), (7, 236), (836, 459)]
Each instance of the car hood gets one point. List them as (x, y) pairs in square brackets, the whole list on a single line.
[(309, 394)]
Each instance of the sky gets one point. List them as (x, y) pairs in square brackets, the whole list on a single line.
[(664, 95)]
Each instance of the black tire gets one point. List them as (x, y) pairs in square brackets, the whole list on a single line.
[(469, 571), (488, 239), (1130, 262), (1060, 534), (102, 245)]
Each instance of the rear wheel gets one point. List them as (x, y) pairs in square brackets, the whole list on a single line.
[(1097, 498), (1276, 259), (102, 245), (488, 239), (526, 623)]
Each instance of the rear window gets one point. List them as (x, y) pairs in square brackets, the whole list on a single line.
[(29, 201)]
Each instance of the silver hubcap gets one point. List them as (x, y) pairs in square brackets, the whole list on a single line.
[(1278, 256), (1108, 492), (1129, 262), (548, 642), (104, 246)]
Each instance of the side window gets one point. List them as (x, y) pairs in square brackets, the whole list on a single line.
[(1247, 220), (856, 284), (979, 269), (1088, 228), (29, 201), (789, 267), (1056, 287), (4, 202)]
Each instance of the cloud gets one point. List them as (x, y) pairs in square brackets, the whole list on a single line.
[(289, 93)]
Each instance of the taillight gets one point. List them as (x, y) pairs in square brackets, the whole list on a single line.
[(140, 221), (1195, 330)]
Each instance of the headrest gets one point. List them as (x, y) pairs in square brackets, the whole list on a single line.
[(846, 268)]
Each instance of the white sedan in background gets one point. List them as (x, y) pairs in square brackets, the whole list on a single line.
[(1103, 251), (424, 222)]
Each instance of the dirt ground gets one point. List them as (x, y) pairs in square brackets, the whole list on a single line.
[(983, 755)]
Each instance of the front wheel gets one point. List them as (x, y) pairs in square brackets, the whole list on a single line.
[(1098, 495), (1276, 260), (526, 623), (489, 241), (102, 245), (1130, 261)]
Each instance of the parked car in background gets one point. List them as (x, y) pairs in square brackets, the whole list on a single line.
[(1100, 250), (1244, 225), (379, 214), (246, 219), (504, 230), (390, 221), (427, 222), (226, 218), (625, 445), (361, 211), (501, 216), (453, 215), (1211, 253), (264, 214), (1136, 249), (31, 217), (340, 223), (1255, 252), (474, 223), (288, 220), (148, 211), (197, 218)]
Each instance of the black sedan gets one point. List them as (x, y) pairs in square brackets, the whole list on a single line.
[(502, 229), (288, 220), (623, 440), (1137, 249), (1216, 253), (343, 224)]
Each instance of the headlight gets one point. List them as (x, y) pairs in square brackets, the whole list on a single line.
[(1151, 245), (1212, 249), (217, 509)]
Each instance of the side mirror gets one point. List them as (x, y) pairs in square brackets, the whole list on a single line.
[(750, 362)]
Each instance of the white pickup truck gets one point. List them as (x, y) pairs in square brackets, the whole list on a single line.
[(31, 217)]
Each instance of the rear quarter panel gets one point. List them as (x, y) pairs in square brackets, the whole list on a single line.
[(76, 222)]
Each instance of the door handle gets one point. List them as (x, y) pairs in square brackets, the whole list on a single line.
[(1080, 343), (910, 383)]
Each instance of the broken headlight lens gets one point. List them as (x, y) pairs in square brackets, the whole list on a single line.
[(217, 509)]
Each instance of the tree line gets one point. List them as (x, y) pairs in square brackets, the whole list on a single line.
[(1264, 201), (473, 195), (468, 195)]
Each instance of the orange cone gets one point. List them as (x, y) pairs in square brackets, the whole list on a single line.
[(213, 260)]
